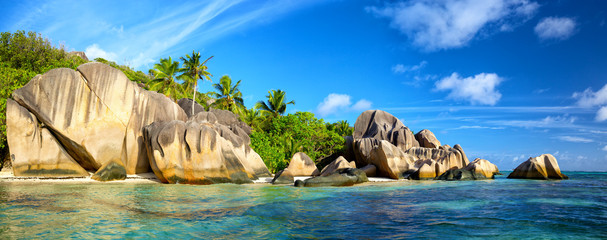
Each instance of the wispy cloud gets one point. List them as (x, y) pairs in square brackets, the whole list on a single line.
[(436, 25), (480, 89), (574, 139), (558, 28), (564, 121), (141, 39), (335, 103), (400, 68)]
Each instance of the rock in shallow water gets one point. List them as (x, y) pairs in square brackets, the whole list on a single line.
[(302, 165), (283, 177), (343, 177), (543, 167), (112, 170)]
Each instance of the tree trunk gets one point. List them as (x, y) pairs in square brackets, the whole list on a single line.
[(194, 97)]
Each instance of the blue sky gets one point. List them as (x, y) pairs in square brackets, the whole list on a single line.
[(506, 79)]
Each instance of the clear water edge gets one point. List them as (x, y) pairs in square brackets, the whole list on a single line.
[(501, 208)]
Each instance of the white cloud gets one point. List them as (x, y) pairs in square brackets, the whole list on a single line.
[(94, 51), (574, 139), (559, 28), (589, 98), (335, 103), (400, 68), (362, 105), (601, 115), (480, 89), (605, 148), (436, 25)]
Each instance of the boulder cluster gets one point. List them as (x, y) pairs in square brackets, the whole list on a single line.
[(68, 123), (383, 146)]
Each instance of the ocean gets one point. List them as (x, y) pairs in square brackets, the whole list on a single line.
[(497, 209)]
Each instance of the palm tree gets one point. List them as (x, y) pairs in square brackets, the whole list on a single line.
[(194, 70), (252, 117), (164, 78), (343, 128), (228, 97), (275, 105)]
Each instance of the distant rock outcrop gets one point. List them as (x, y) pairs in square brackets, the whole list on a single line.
[(543, 167), (381, 125), (343, 177)]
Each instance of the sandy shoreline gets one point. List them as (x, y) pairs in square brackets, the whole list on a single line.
[(6, 176)]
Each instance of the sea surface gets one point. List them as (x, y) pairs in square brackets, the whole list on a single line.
[(501, 208)]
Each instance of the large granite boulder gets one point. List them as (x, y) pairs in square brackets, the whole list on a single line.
[(202, 151), (302, 165), (390, 161), (343, 177), (381, 125), (34, 151), (370, 170), (458, 175), (95, 114), (482, 167), (427, 139), (425, 169), (339, 163), (543, 167)]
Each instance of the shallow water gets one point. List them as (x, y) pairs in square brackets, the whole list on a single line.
[(500, 208)]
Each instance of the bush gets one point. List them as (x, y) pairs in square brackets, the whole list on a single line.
[(299, 132)]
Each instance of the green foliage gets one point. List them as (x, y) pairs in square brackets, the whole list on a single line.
[(164, 81), (131, 74), (228, 96), (276, 104), (293, 133), (341, 127), (193, 70)]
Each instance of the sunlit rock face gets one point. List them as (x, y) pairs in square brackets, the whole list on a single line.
[(381, 125), (302, 165), (543, 167), (337, 164), (201, 151), (482, 167), (94, 114), (427, 139)]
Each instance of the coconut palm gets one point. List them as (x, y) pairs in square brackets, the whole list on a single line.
[(343, 128), (228, 96), (193, 71), (164, 78), (275, 106)]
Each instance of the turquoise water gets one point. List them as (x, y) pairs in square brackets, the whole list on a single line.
[(501, 208)]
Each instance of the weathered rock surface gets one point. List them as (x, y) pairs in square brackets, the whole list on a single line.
[(425, 169), (370, 170), (339, 163), (381, 125), (302, 165), (446, 156), (283, 177), (427, 139), (482, 167), (202, 151), (186, 105), (112, 170), (96, 114), (343, 177), (543, 167), (390, 161), (34, 151)]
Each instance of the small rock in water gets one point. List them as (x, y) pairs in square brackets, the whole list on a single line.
[(112, 170)]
